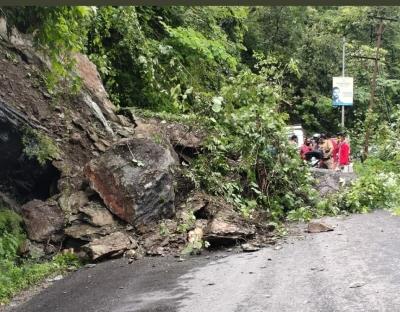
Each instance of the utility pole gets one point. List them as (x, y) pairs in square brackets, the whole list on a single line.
[(343, 65), (370, 110)]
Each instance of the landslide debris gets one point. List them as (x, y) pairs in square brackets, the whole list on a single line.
[(98, 182)]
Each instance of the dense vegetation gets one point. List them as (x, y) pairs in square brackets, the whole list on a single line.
[(243, 74)]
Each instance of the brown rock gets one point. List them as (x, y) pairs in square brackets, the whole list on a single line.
[(92, 81), (97, 214), (178, 134), (220, 228), (76, 138), (43, 220), (156, 251), (226, 226), (110, 245), (195, 237), (130, 253), (86, 232), (318, 227), (100, 146), (134, 178), (70, 203), (249, 247)]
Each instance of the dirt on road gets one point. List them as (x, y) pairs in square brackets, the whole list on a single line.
[(356, 267)]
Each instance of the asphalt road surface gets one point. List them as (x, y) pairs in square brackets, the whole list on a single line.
[(356, 267)]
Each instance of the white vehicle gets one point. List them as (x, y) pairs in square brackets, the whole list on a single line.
[(298, 131)]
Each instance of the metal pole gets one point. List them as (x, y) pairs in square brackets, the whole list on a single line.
[(343, 65)]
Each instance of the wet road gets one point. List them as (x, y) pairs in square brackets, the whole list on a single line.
[(354, 268)]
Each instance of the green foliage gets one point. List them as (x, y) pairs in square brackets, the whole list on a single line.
[(187, 222), (196, 46), (39, 146), (376, 187), (164, 231), (248, 159), (11, 233), (165, 59), (15, 273), (66, 260), (14, 278)]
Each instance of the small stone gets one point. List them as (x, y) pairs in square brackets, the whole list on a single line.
[(357, 284), (56, 278), (45, 94), (130, 253), (318, 227), (89, 265), (249, 247), (75, 138)]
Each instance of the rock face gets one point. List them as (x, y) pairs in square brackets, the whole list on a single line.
[(110, 245), (135, 180), (43, 220)]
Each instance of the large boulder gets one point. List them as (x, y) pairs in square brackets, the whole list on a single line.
[(44, 221), (135, 180)]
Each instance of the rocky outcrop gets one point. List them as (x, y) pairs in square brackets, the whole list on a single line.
[(44, 221), (135, 180), (110, 169)]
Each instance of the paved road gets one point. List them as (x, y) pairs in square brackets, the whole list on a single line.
[(354, 268)]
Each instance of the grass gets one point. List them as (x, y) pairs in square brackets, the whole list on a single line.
[(16, 277), (17, 274)]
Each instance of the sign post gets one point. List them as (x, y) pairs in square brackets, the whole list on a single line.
[(343, 57), (342, 89)]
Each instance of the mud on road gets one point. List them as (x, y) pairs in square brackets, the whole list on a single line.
[(356, 267)]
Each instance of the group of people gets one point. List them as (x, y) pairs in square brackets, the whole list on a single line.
[(326, 152)]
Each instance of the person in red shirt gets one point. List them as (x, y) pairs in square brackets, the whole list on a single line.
[(344, 152), (305, 148)]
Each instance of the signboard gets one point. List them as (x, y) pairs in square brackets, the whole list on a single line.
[(342, 91)]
